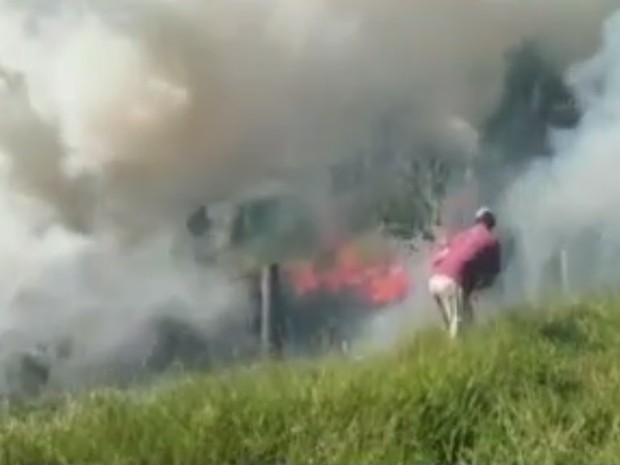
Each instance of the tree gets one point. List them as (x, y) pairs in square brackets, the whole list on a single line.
[(535, 99), (398, 181)]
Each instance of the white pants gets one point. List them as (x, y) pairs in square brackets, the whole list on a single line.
[(451, 301)]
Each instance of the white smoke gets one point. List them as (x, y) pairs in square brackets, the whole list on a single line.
[(569, 202)]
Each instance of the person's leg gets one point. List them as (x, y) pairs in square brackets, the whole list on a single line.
[(437, 289), (468, 310), (443, 309), (454, 305), (446, 293), (461, 309)]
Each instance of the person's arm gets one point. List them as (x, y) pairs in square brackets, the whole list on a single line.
[(496, 260), (444, 245), (486, 281), (439, 256), (491, 268)]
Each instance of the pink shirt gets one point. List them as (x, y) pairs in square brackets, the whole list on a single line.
[(468, 257)]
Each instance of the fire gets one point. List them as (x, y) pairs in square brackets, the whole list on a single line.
[(377, 282)]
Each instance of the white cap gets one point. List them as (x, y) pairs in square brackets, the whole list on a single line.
[(483, 211)]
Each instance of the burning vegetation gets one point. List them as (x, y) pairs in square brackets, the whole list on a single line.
[(326, 287), (371, 282), (363, 141)]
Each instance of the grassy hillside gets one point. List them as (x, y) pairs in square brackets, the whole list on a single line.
[(538, 387)]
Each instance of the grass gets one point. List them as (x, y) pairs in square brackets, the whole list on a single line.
[(539, 386)]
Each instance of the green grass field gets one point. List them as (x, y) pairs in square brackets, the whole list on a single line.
[(536, 387)]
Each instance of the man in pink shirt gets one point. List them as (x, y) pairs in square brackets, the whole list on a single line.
[(467, 262)]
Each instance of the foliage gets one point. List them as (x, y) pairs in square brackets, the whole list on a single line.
[(534, 98), (534, 387), (410, 177), (399, 180)]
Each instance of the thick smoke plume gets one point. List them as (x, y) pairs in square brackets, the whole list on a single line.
[(565, 207), (118, 118)]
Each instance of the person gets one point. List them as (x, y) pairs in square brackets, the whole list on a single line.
[(466, 263)]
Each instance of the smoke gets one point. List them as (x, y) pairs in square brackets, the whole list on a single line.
[(158, 102), (117, 118), (564, 207)]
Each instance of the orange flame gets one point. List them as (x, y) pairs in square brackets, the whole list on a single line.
[(379, 283)]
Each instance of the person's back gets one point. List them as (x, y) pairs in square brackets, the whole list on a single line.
[(482, 259), (470, 253)]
